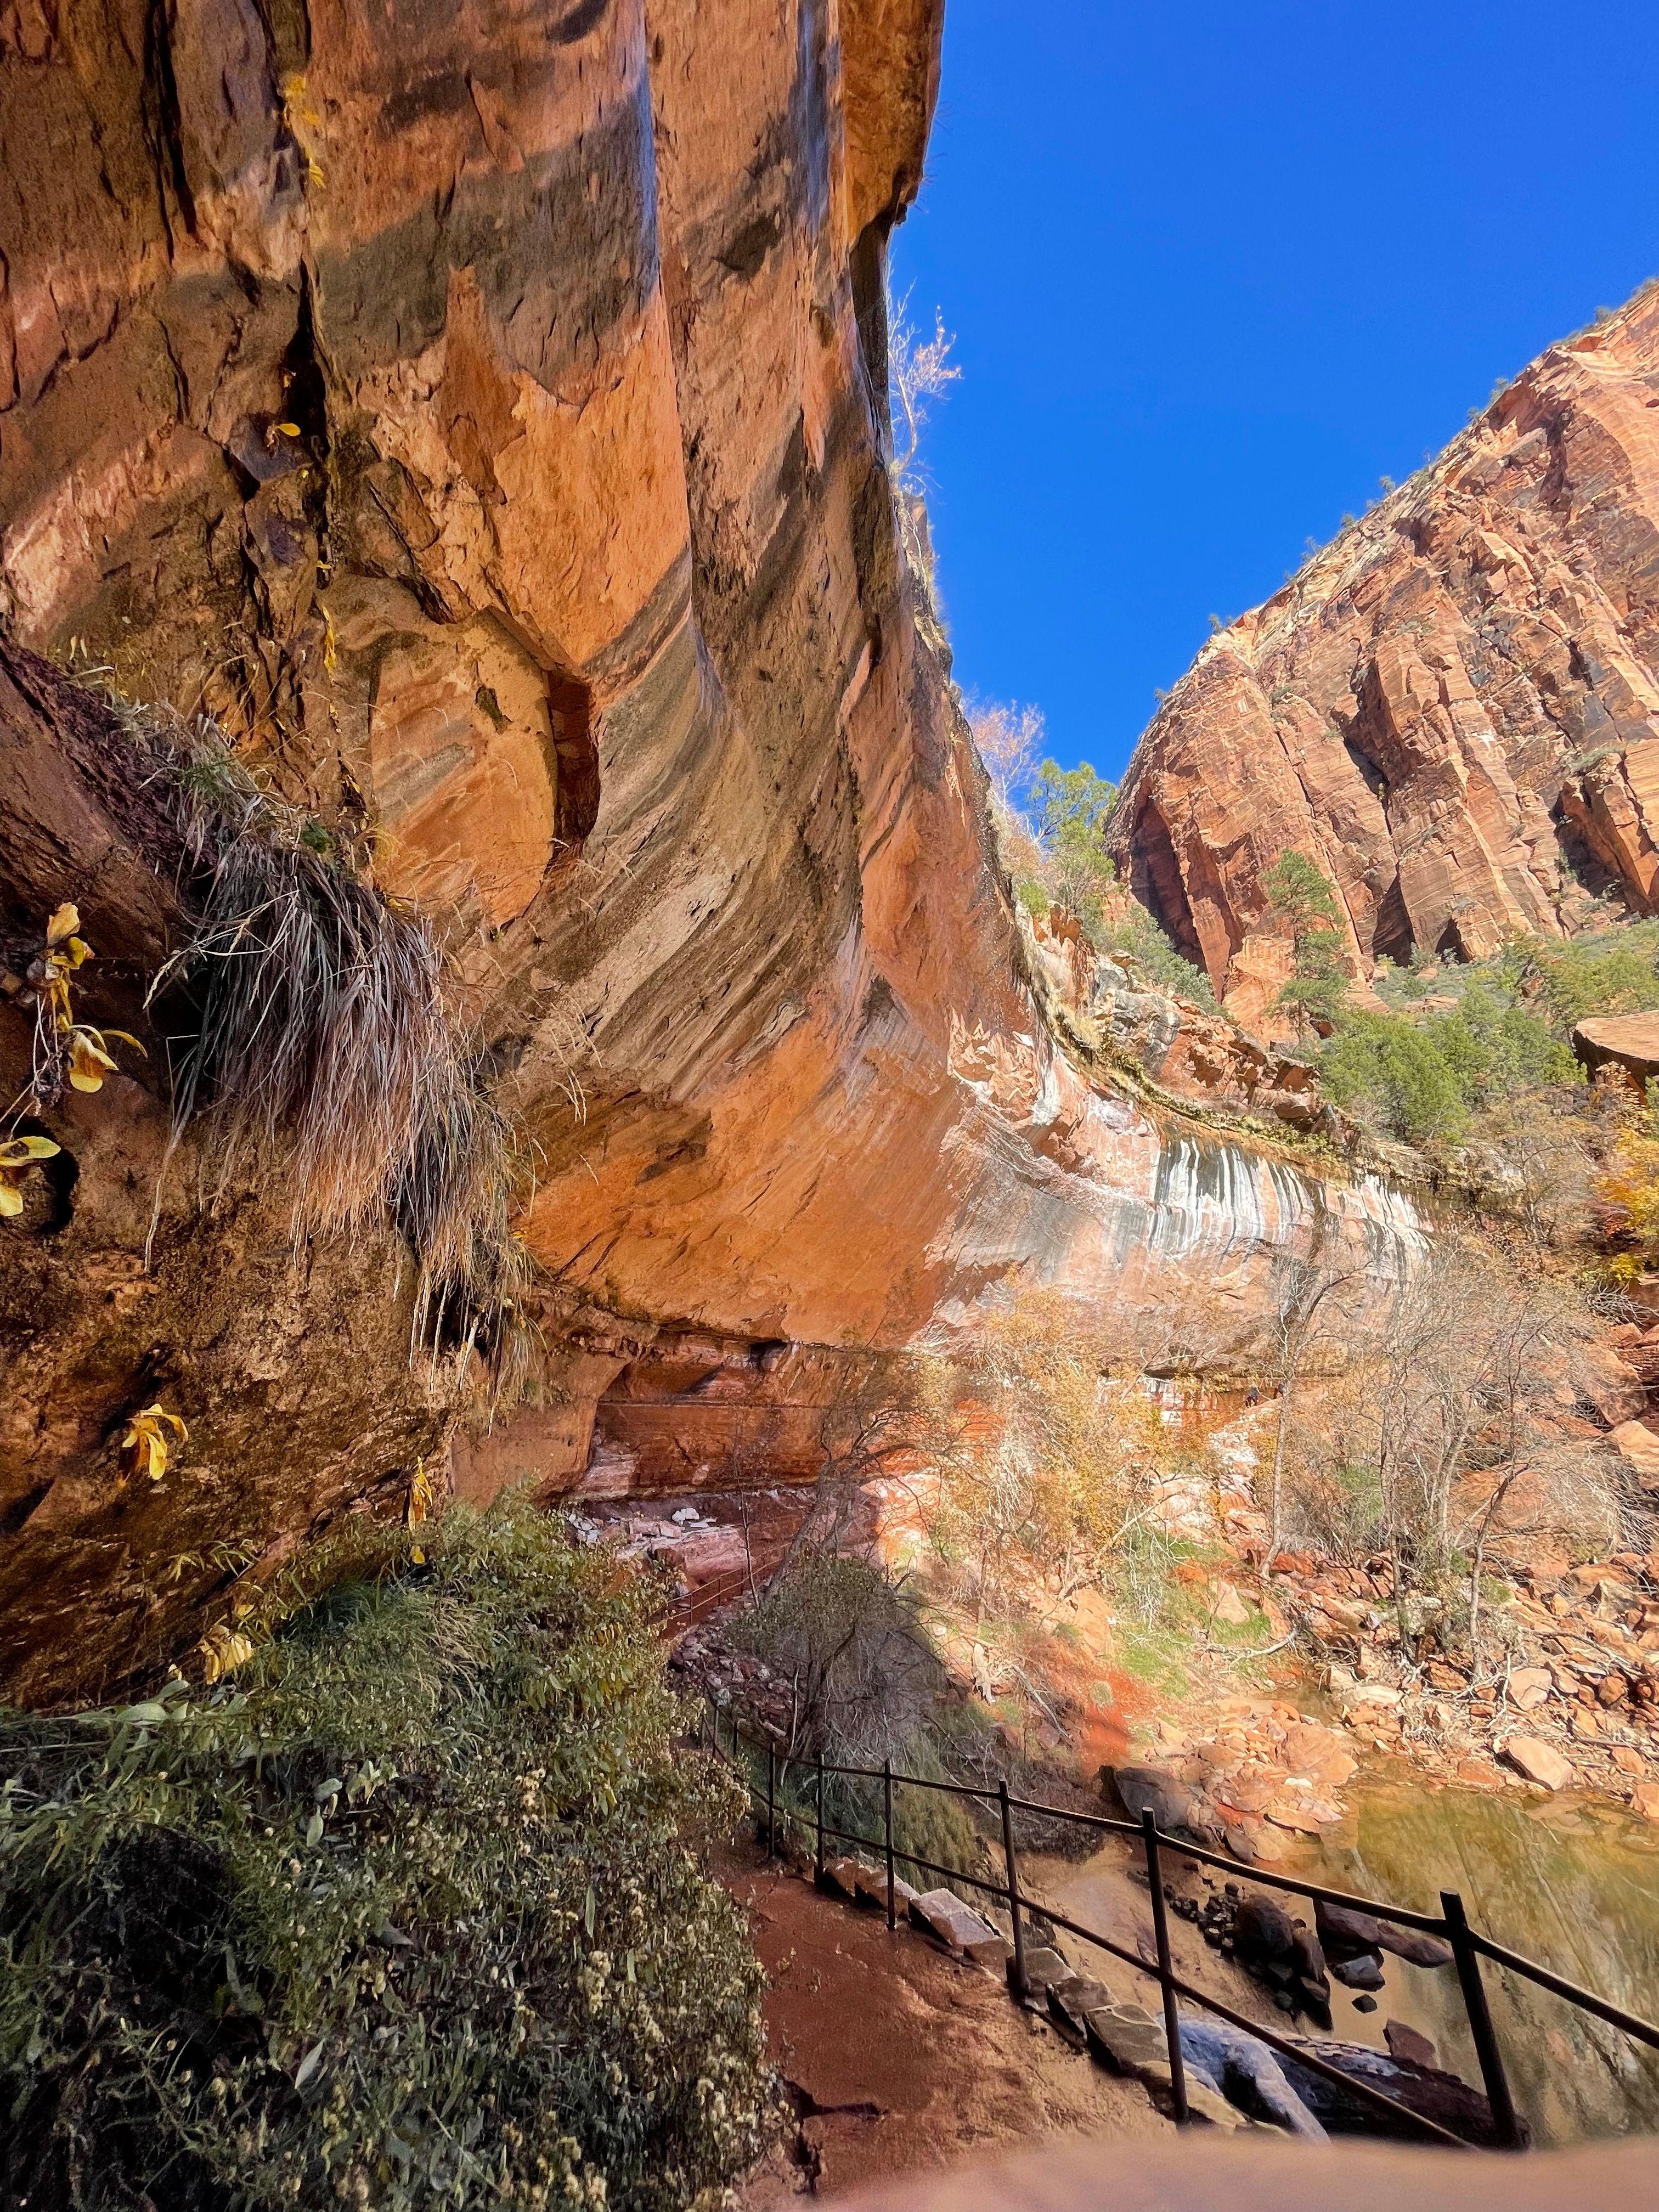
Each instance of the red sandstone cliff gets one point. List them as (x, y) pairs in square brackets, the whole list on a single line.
[(481, 411), (1454, 708)]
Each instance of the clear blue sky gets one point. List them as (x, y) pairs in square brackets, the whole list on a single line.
[(1214, 269)]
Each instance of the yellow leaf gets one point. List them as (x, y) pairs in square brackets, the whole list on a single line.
[(15, 1152), (288, 430), (145, 1439), (11, 1198), (64, 923), (223, 1649), (87, 1061)]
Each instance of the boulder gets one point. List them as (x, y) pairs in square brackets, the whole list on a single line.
[(1638, 1447), (1611, 1384), (1263, 1933), (1539, 1761), (1247, 2073), (1348, 1935), (1129, 1792), (1434, 2094), (1628, 1044), (1364, 1971), (1410, 2046), (1528, 1687)]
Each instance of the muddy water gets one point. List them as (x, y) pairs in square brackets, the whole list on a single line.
[(1572, 1883)]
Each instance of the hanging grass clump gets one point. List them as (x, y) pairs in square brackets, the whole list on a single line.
[(324, 1052)]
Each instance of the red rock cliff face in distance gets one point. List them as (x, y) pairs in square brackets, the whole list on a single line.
[(480, 410), (1454, 708)]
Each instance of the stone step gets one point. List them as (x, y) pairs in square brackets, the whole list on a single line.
[(871, 1882), (840, 1878), (1126, 2038), (1043, 1968), (942, 1914), (1070, 2002), (1211, 2109)]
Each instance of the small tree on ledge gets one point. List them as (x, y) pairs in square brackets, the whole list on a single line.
[(1303, 901)]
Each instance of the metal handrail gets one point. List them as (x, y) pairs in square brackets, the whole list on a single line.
[(1467, 1944), (1559, 1986)]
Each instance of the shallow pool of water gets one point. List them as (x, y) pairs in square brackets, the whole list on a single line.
[(1573, 1883)]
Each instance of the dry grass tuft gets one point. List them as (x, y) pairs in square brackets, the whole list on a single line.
[(322, 1049)]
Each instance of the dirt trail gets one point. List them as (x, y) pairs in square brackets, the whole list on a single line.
[(901, 2059)]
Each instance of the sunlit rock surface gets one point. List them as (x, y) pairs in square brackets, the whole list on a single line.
[(1454, 707), (481, 412)]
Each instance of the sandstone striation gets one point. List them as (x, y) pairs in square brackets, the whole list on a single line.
[(482, 413), (1453, 709)]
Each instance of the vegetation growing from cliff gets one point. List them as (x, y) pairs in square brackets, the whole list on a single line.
[(320, 1044), (1458, 1044), (1305, 904), (1051, 822), (920, 371), (410, 1912)]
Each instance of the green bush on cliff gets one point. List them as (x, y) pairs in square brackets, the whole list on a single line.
[(410, 1913), (1422, 1079)]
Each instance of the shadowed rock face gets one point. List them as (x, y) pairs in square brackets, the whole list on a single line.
[(1454, 708), (480, 410)]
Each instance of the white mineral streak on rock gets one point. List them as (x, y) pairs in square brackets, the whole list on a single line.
[(1078, 1190)]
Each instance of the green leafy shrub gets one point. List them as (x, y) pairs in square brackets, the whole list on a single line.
[(1574, 981), (1421, 1075), (410, 1912), (1137, 937), (1072, 806), (1398, 1071)]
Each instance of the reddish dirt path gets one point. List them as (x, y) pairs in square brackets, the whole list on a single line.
[(901, 2060)]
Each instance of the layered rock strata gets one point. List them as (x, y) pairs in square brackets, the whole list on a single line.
[(1453, 709), (482, 414)]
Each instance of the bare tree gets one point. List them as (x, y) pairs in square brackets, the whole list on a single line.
[(919, 371), (1313, 1293), (1009, 738), (898, 1416)]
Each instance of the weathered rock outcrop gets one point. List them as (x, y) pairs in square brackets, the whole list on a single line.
[(1628, 1044), (1187, 1052), (482, 412), (1454, 708)]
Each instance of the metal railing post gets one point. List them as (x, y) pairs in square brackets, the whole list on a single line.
[(771, 1800), (1165, 1969), (1022, 1988), (819, 1856), (1505, 2120), (887, 1825)]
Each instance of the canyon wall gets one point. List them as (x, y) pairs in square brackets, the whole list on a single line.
[(1453, 709), (480, 412)]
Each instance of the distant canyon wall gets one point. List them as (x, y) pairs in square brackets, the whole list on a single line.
[(1453, 709)]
